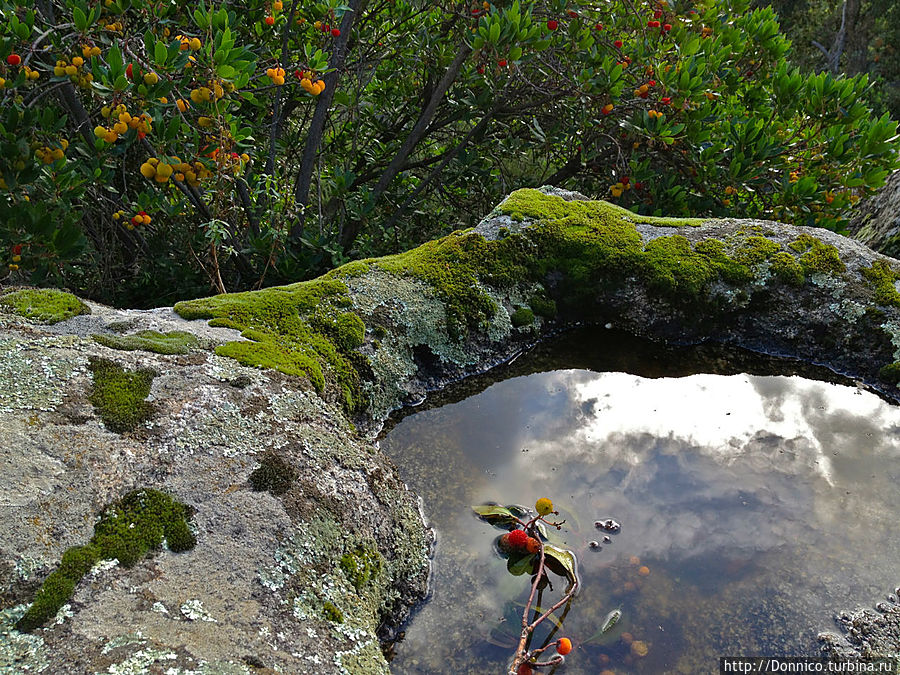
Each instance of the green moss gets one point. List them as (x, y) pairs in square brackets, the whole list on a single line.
[(755, 249), (882, 277), (119, 396), (301, 329), (46, 306), (817, 256), (890, 373), (362, 564), (173, 342), (542, 305), (786, 268), (126, 531), (273, 475), (332, 613), (522, 317)]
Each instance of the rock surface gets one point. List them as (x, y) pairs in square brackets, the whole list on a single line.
[(308, 545), (876, 220)]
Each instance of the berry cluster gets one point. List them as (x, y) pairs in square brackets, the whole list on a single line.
[(276, 75), (49, 155)]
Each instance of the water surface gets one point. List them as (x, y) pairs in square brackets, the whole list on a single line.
[(752, 508)]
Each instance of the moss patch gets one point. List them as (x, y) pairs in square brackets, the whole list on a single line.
[(890, 373), (302, 329), (46, 306), (362, 564), (542, 305), (882, 278), (332, 613), (817, 256), (173, 342), (126, 531), (119, 396), (522, 317)]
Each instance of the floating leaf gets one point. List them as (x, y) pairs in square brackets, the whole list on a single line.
[(560, 561), (499, 516), (519, 566)]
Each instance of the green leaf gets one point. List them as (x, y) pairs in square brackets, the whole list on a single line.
[(160, 53), (495, 514), (80, 18), (561, 561), (521, 565), (225, 71), (515, 53), (495, 33)]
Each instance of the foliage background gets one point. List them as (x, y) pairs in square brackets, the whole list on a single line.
[(155, 150)]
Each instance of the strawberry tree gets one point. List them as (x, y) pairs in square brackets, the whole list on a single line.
[(156, 147)]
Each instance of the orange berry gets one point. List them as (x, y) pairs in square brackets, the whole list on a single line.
[(532, 545), (564, 646), (643, 570), (270, 20)]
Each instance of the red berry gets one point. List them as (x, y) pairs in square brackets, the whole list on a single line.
[(638, 185), (657, 14), (667, 27), (502, 63), (665, 100), (17, 249), (653, 24), (518, 538), (525, 669), (624, 180), (651, 83), (129, 71), (573, 14), (298, 75), (480, 70), (335, 32), (552, 24), (14, 59), (599, 26), (617, 44), (270, 20)]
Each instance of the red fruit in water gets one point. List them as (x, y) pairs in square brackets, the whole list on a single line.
[(552, 25), (617, 44), (564, 646), (525, 669), (14, 59), (335, 32), (518, 538)]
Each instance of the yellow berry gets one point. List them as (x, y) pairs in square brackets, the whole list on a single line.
[(59, 71), (195, 44), (145, 219), (95, 51), (71, 70), (151, 78), (120, 127), (164, 170), (147, 170), (78, 62), (99, 131), (110, 136), (544, 506)]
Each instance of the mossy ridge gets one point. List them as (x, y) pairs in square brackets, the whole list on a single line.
[(521, 317), (890, 373), (303, 329), (126, 531), (47, 306), (119, 396), (172, 342)]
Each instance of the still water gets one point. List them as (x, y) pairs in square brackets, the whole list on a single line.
[(752, 508)]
